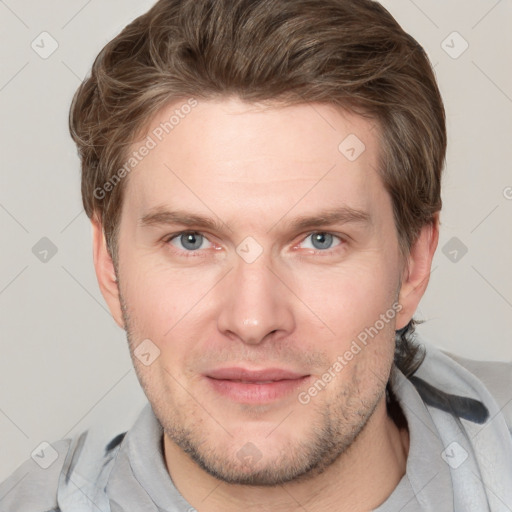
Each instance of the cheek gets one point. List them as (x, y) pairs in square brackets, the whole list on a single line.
[(151, 298), (162, 301), (350, 298)]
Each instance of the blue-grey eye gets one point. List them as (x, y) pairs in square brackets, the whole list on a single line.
[(188, 241), (321, 241)]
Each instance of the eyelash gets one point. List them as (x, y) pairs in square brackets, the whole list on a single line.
[(197, 253)]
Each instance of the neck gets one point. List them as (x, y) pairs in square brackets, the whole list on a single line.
[(362, 478)]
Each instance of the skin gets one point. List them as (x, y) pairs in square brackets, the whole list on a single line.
[(297, 306)]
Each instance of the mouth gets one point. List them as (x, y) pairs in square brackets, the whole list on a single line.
[(255, 386)]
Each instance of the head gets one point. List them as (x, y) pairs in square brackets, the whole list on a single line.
[(256, 115)]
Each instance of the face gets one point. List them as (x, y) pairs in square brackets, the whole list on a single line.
[(258, 255)]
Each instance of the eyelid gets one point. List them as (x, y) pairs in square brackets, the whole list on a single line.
[(169, 238), (342, 239)]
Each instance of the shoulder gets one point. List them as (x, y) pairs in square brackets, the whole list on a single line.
[(496, 376), (33, 486), (37, 483)]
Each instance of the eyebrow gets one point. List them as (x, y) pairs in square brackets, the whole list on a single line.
[(341, 215)]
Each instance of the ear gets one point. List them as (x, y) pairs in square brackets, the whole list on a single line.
[(105, 272), (416, 273)]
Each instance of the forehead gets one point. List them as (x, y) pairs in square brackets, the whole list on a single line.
[(233, 153)]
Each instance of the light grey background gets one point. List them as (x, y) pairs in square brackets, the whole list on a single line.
[(64, 364)]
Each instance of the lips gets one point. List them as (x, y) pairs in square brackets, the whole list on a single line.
[(263, 376), (255, 386)]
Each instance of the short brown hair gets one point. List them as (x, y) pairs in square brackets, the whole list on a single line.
[(347, 53)]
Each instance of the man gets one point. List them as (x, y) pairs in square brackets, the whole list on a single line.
[(263, 182)]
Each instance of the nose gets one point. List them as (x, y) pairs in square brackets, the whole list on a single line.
[(255, 302)]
